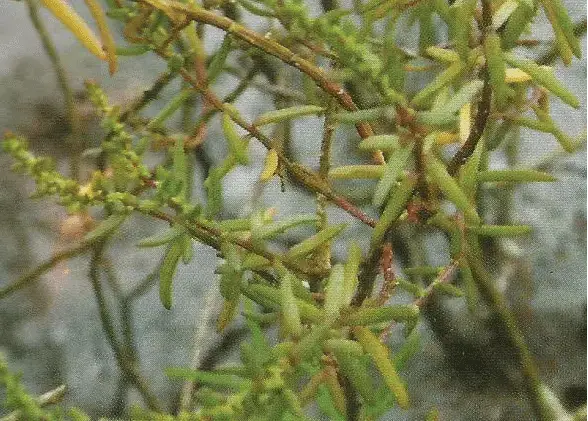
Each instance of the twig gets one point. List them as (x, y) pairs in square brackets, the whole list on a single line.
[(273, 48), (308, 178), (126, 365), (33, 275), (48, 398), (210, 303), (483, 107), (66, 90)]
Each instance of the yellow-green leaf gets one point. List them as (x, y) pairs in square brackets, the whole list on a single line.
[(439, 176), (168, 270), (543, 77), (351, 172), (381, 357), (307, 246), (284, 114), (68, 16)]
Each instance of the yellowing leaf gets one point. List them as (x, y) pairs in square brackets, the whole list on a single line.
[(105, 34), (516, 76), (68, 16), (270, 165), (465, 122)]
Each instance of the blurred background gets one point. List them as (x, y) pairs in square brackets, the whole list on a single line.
[(51, 331)]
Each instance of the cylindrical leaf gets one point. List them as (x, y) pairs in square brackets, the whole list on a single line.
[(307, 246), (68, 16), (383, 142), (217, 63), (334, 296), (284, 114), (381, 357), (394, 169), (366, 316), (396, 204), (290, 313), (237, 146), (168, 270), (351, 172), (514, 176), (501, 230), (439, 176)]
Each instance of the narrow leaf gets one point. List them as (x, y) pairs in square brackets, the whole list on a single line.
[(68, 16), (354, 117), (439, 176), (384, 142), (543, 77), (465, 95), (351, 272), (106, 227), (445, 78), (290, 113), (307, 246), (237, 146), (168, 270), (217, 63), (290, 313), (394, 169), (334, 296), (357, 373), (381, 357), (501, 230), (279, 227), (396, 204), (351, 172), (514, 176), (105, 34), (496, 69), (167, 111)]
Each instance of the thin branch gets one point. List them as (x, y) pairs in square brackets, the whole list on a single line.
[(467, 149), (34, 275), (126, 365), (308, 178), (271, 47), (66, 90), (48, 398)]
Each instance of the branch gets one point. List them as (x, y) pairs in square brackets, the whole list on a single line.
[(60, 73), (33, 275), (467, 149), (48, 398), (125, 363), (269, 46)]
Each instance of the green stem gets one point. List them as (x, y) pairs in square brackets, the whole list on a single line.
[(497, 303), (68, 96), (271, 47), (34, 275), (126, 365)]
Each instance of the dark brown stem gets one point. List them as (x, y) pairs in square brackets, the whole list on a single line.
[(467, 149)]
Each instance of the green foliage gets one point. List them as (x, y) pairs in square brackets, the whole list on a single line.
[(331, 323)]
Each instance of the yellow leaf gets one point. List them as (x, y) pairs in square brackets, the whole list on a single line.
[(516, 76), (465, 122), (105, 34), (66, 15), (270, 166)]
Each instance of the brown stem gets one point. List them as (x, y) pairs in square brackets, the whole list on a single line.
[(270, 47)]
